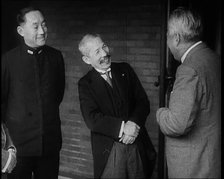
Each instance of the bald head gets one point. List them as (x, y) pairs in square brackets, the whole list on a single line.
[(85, 43)]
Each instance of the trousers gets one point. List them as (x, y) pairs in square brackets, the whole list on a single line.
[(124, 162)]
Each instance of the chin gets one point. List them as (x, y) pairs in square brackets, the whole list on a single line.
[(41, 44), (108, 65), (105, 67)]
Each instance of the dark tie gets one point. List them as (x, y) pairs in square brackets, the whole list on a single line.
[(108, 79)]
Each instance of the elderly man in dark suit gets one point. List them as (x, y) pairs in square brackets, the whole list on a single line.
[(114, 106), (192, 121), (33, 83)]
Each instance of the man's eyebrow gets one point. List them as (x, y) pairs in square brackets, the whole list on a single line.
[(35, 23), (96, 49)]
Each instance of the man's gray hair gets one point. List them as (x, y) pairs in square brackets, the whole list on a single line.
[(83, 47), (186, 23)]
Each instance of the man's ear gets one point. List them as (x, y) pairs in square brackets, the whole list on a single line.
[(177, 39), (86, 59), (20, 31)]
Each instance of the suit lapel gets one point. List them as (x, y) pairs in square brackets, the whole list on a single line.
[(99, 89), (119, 77)]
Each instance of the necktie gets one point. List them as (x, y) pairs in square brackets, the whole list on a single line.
[(108, 79)]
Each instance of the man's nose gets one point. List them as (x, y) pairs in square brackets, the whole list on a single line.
[(41, 30), (103, 53)]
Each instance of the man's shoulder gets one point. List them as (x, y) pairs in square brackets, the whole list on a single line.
[(121, 65), (87, 76), (17, 49), (50, 49), (11, 54), (12, 51)]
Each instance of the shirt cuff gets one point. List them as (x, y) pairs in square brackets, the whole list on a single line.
[(7, 163), (12, 149), (121, 130)]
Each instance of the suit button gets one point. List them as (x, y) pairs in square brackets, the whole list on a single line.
[(30, 114)]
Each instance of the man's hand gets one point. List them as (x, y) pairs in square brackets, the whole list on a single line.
[(127, 139), (130, 132), (131, 129)]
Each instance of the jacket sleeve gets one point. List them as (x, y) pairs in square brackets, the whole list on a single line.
[(141, 105), (4, 86), (5, 156), (9, 142), (95, 119), (61, 78), (180, 116)]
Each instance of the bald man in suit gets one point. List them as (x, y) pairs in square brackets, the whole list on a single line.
[(115, 107), (192, 121)]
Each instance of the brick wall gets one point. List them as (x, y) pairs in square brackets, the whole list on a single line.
[(132, 31)]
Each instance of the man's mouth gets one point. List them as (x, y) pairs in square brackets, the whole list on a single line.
[(41, 38), (105, 59)]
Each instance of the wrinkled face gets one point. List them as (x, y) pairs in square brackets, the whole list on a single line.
[(33, 30), (98, 54)]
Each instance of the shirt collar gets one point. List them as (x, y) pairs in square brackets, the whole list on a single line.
[(32, 51), (188, 50)]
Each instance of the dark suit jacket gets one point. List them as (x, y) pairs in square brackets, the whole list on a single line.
[(30, 105), (104, 122), (192, 122)]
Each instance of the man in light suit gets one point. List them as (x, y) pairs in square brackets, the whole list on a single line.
[(191, 123), (114, 107)]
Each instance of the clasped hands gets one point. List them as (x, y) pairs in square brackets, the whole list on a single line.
[(130, 132)]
